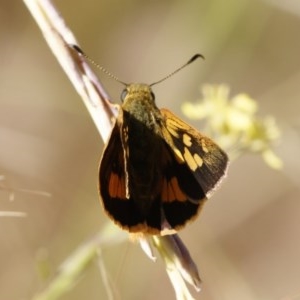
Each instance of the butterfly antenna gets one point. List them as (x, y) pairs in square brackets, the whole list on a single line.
[(196, 56), (76, 48)]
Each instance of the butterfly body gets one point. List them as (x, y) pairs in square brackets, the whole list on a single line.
[(156, 171), (139, 128)]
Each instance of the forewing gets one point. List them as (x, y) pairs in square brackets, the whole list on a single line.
[(202, 157)]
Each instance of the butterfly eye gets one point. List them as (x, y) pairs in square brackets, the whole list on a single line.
[(152, 96), (124, 94)]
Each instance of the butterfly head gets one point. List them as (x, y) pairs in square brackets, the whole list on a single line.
[(137, 91)]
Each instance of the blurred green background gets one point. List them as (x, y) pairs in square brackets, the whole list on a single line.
[(246, 242)]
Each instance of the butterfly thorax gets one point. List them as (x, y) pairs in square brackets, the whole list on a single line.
[(143, 146)]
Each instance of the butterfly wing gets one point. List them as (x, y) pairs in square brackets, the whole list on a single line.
[(113, 188), (194, 167), (181, 195), (205, 159)]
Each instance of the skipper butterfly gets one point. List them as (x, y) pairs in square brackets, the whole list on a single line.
[(156, 171)]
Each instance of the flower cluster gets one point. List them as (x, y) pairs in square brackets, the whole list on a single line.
[(235, 124)]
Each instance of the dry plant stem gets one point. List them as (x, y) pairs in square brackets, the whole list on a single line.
[(12, 214), (59, 37), (107, 282)]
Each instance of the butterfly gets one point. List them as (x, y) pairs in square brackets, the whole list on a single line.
[(156, 171)]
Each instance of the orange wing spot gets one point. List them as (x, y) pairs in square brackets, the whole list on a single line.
[(113, 185), (198, 160), (189, 159), (171, 191), (204, 146), (172, 126), (187, 140), (179, 195), (121, 190), (116, 187), (178, 155)]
